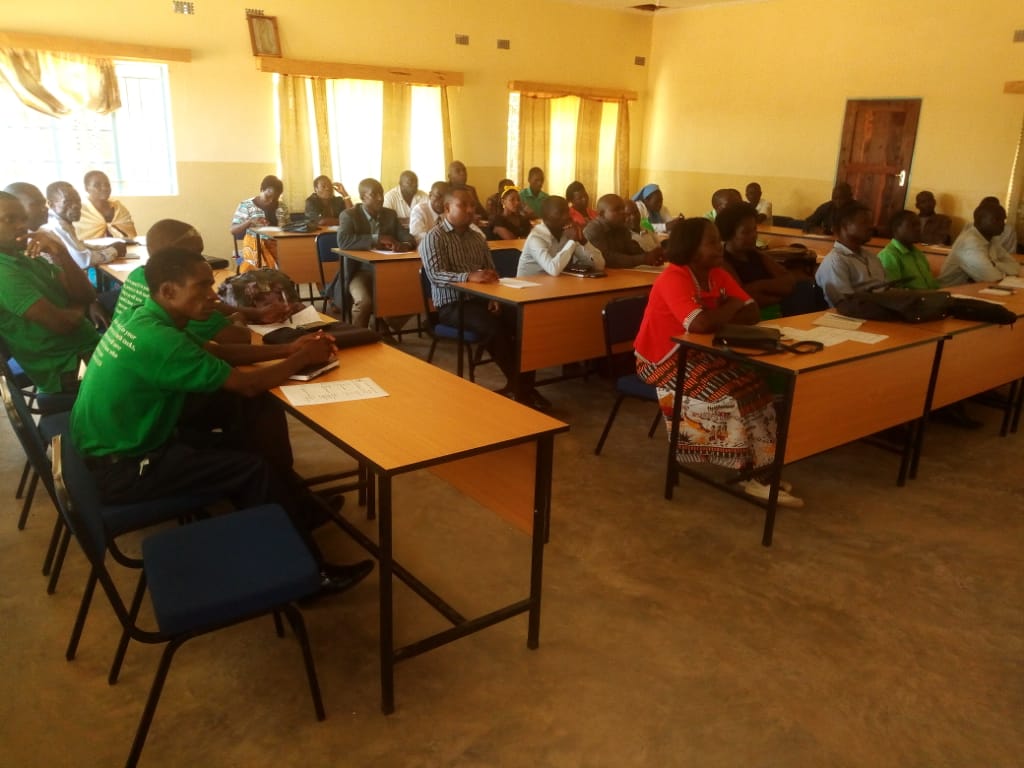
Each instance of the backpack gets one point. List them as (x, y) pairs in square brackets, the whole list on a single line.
[(258, 288), (982, 311)]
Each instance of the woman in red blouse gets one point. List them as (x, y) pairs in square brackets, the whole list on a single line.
[(727, 416)]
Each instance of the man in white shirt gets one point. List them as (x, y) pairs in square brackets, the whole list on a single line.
[(406, 196), (65, 209), (977, 255), (425, 215), (556, 242)]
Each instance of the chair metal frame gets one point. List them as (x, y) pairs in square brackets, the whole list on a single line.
[(472, 341)]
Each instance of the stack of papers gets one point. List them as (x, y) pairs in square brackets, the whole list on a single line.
[(831, 336), (333, 392), (511, 282), (1012, 282), (306, 318)]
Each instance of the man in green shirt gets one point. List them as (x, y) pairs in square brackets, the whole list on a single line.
[(154, 394), (44, 306), (532, 195), (902, 259)]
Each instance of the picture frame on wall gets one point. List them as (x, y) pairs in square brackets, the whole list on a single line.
[(263, 35)]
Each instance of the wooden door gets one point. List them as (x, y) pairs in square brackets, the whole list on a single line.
[(876, 151)]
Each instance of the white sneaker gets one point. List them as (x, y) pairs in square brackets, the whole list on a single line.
[(761, 490)]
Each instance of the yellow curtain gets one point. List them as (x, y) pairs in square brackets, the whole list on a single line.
[(397, 116), (58, 84), (534, 134), (588, 144), (296, 153), (323, 133), (446, 127), (622, 180)]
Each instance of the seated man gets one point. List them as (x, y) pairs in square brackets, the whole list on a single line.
[(406, 196), (426, 215), (532, 194), (65, 209), (977, 256), (101, 216), (154, 394), (849, 268), (44, 306), (33, 202), (367, 226), (224, 325), (721, 199), (764, 207), (902, 259), (823, 217), (610, 235), (645, 237), (451, 253), (555, 243), (457, 179), (1008, 238), (934, 226)]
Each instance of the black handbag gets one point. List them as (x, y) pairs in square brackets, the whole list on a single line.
[(896, 305), (761, 339)]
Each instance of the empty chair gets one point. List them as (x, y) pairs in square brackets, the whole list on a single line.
[(438, 331), (325, 243), (506, 261), (201, 577), (622, 318)]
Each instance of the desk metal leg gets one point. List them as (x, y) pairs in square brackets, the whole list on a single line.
[(672, 466), (387, 630), (1018, 407), (917, 435), (781, 438), (541, 531), (1010, 409), (346, 314)]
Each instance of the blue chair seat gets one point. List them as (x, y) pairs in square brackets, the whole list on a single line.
[(451, 332), (215, 573), (633, 386), (119, 519)]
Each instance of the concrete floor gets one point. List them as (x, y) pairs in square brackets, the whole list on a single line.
[(883, 628)]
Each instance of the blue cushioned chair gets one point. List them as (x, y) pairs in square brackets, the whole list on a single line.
[(325, 242), (201, 577), (438, 331), (34, 438), (506, 261), (622, 318)]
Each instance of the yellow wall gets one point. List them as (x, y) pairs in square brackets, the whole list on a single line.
[(223, 122), (757, 91)]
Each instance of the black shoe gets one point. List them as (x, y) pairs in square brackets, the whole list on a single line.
[(335, 579)]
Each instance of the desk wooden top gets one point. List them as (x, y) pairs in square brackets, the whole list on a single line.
[(793, 235), (429, 417), (550, 288), (500, 245), (119, 269), (372, 257), (899, 336), (276, 233)]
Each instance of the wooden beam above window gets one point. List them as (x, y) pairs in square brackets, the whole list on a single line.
[(552, 91), (339, 71), (124, 51), (1014, 86)]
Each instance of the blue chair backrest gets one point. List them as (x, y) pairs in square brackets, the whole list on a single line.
[(622, 319), (79, 499), (325, 241), (506, 261), (20, 414)]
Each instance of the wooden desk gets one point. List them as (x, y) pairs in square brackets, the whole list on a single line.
[(840, 394), (411, 430), (296, 253), (559, 320), (396, 281), (119, 269)]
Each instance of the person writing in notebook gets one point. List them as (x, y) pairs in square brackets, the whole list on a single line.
[(187, 421)]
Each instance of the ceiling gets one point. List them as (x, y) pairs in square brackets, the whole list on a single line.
[(669, 5)]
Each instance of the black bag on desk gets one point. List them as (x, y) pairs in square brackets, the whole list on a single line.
[(345, 335), (749, 337), (896, 305), (980, 311), (299, 226)]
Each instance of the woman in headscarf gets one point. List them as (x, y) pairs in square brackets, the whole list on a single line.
[(651, 205)]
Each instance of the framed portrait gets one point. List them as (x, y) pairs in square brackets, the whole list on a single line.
[(263, 35)]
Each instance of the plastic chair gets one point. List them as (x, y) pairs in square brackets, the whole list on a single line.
[(325, 241), (201, 577), (438, 332), (622, 318)]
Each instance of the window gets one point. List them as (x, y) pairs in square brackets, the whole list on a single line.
[(134, 145), (560, 163)]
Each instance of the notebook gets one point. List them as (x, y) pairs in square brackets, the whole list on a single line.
[(310, 372)]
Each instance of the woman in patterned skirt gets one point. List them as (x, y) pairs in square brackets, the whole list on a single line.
[(727, 417)]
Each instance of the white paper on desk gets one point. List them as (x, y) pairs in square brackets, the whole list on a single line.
[(994, 291), (267, 230), (831, 336), (103, 242), (511, 282), (978, 298), (121, 266), (1012, 282), (649, 268), (306, 316), (333, 392), (830, 320)]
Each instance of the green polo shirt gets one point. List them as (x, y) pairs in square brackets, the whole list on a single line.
[(134, 390), (43, 354), (135, 291), (534, 202), (902, 262)]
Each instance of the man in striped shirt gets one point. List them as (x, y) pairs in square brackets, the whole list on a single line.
[(454, 253)]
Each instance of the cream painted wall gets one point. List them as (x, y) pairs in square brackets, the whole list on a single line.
[(757, 91), (224, 129)]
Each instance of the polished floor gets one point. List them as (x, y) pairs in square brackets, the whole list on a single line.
[(885, 627)]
